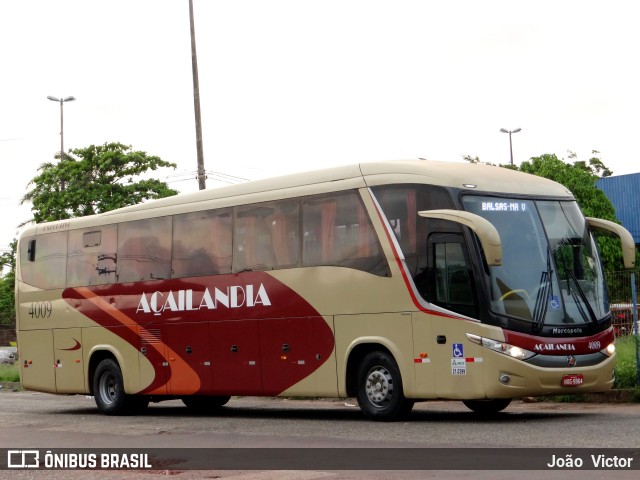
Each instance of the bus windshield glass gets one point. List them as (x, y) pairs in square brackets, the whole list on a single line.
[(550, 273)]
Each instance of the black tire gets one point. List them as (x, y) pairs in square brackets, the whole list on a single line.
[(487, 407), (108, 391), (201, 403), (379, 388)]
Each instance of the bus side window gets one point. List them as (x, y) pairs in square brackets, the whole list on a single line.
[(267, 236), (399, 204), (337, 231), (45, 267), (202, 243), (91, 256), (144, 250), (449, 275)]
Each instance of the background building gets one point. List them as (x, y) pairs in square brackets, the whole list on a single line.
[(624, 193)]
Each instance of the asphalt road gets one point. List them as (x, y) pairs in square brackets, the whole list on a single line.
[(37, 420)]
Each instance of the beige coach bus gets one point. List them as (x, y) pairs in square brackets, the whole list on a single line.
[(391, 282)]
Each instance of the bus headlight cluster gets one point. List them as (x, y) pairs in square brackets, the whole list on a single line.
[(501, 347), (610, 350)]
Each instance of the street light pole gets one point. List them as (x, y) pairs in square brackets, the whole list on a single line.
[(61, 101), (504, 130)]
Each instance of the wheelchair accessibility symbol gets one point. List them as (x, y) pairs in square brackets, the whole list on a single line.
[(554, 302), (458, 351)]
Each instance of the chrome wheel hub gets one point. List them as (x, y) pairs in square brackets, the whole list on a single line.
[(379, 386)]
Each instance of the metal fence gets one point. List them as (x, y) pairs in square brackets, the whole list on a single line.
[(621, 300), (7, 334)]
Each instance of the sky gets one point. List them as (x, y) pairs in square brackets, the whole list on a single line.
[(293, 85)]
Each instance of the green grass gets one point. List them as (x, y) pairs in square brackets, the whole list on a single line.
[(625, 362), (9, 373)]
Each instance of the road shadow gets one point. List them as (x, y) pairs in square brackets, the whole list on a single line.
[(346, 413)]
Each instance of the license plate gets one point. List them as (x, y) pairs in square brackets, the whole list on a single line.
[(572, 380)]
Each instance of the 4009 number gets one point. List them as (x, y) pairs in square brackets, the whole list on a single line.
[(41, 309)]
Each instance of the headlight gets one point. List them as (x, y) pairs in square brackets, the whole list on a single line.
[(610, 350), (501, 347)]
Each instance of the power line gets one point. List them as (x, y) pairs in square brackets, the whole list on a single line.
[(219, 176)]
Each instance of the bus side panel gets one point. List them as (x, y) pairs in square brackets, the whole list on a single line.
[(323, 381), (68, 361), (235, 357), (152, 354), (423, 350), (459, 364), (293, 351), (390, 331), (36, 360), (137, 371), (189, 360)]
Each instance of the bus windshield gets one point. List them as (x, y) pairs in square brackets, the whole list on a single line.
[(550, 273)]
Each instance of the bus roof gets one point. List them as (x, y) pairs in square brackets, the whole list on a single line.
[(486, 178), (475, 177)]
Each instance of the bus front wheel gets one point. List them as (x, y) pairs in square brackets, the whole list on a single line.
[(108, 391), (487, 407), (380, 393)]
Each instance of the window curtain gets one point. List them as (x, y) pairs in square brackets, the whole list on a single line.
[(221, 243), (250, 244), (364, 232), (279, 239), (328, 219)]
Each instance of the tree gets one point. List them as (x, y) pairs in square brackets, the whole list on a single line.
[(580, 177), (7, 282), (93, 180), (595, 164), (470, 159), (476, 159)]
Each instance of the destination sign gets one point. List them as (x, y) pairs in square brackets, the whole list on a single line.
[(504, 206)]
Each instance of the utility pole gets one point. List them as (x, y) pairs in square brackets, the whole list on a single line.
[(196, 103)]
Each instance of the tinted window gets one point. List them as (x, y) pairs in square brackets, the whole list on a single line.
[(267, 236), (144, 250), (448, 280), (91, 256), (337, 231), (43, 260), (401, 204), (202, 243), (400, 207)]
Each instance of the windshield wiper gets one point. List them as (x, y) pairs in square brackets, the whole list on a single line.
[(577, 293), (542, 299), (590, 315)]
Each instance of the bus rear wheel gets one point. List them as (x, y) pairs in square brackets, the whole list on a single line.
[(380, 393), (487, 407), (108, 391)]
